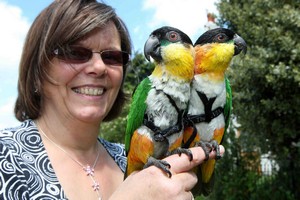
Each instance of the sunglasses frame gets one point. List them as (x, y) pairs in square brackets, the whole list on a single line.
[(61, 54)]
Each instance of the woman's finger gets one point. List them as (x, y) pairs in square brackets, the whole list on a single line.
[(182, 163), (187, 179)]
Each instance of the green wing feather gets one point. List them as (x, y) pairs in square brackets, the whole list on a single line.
[(228, 105), (137, 110)]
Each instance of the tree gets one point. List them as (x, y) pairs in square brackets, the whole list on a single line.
[(140, 69), (266, 87)]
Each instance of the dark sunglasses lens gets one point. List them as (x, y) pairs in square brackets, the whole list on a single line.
[(114, 57), (75, 55)]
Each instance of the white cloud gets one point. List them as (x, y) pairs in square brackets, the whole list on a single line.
[(13, 31), (188, 15), (7, 116)]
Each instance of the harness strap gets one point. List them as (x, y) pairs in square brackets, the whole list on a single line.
[(208, 102), (160, 135), (209, 114), (188, 143), (206, 118), (191, 120)]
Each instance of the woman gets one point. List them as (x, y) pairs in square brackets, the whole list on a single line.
[(71, 76)]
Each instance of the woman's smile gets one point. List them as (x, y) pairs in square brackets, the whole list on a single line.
[(90, 91)]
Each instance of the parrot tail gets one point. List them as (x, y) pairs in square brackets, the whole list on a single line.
[(202, 188)]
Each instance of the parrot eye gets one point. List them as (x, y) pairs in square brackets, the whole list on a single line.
[(221, 37), (173, 36)]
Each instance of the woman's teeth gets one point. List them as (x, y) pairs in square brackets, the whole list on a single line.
[(89, 91)]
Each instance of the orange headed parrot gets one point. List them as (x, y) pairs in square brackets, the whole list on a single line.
[(210, 102), (155, 120)]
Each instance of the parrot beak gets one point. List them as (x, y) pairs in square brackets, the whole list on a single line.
[(152, 48), (240, 45)]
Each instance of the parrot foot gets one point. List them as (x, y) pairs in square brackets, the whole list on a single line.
[(209, 147), (161, 164), (216, 147), (179, 151)]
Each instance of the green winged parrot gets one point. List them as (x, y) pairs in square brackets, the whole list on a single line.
[(155, 120), (210, 102)]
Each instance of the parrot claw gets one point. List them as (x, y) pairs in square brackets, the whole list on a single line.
[(216, 147), (161, 164), (206, 146), (179, 151), (209, 147)]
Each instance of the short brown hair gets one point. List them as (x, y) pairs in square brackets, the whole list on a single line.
[(62, 23)]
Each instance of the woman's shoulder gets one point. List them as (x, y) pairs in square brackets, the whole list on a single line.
[(19, 149), (26, 125), (22, 138), (25, 164), (17, 133), (117, 152)]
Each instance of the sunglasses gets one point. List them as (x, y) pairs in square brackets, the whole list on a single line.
[(78, 55)]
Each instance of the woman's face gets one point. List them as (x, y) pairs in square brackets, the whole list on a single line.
[(85, 91)]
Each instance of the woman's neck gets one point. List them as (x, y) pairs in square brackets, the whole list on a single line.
[(69, 134)]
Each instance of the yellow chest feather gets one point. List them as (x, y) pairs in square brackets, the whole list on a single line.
[(213, 58)]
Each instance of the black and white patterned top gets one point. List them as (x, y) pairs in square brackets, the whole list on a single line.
[(25, 169)]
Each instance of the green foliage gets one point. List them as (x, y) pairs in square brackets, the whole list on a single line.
[(140, 69), (238, 176), (114, 131), (266, 98)]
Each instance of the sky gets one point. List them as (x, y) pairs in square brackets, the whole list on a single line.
[(140, 16)]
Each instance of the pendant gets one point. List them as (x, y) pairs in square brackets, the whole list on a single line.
[(89, 170), (96, 186)]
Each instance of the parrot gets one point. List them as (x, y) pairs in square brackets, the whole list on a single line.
[(210, 101), (154, 126)]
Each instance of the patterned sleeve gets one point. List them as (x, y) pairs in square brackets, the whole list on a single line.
[(117, 152), (12, 179)]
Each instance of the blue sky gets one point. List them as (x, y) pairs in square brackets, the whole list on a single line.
[(141, 17)]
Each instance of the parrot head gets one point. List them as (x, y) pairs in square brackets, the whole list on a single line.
[(215, 49), (161, 38), (172, 50)]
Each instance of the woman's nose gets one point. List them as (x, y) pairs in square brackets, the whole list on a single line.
[(97, 67)]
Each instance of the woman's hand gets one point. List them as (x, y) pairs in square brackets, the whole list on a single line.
[(152, 183)]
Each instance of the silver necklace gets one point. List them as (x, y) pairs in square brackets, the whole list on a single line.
[(88, 169)]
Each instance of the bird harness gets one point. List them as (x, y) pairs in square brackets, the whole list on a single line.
[(209, 114), (160, 135)]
